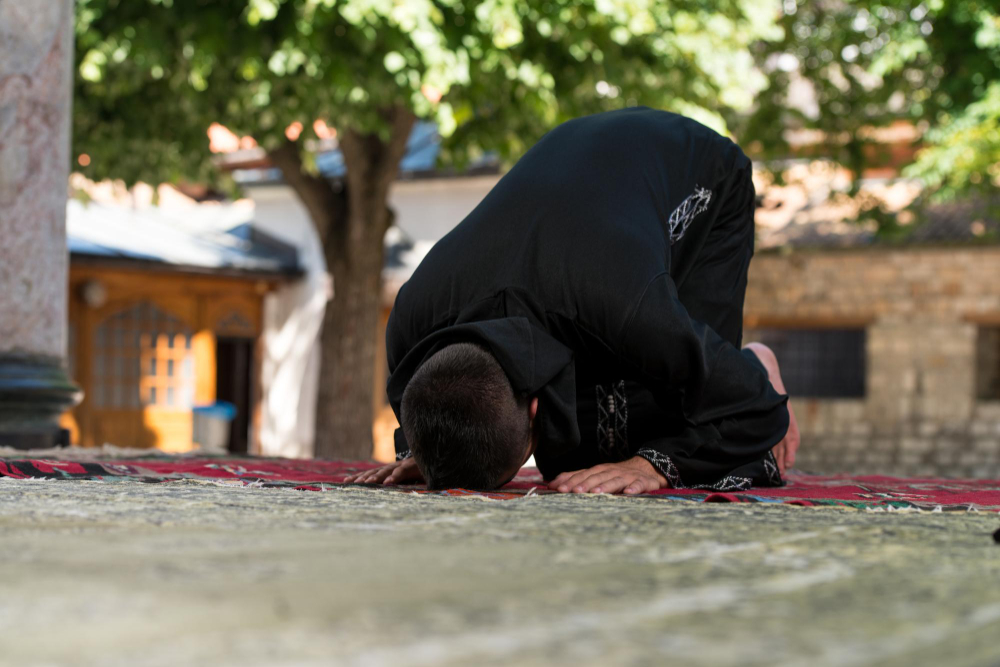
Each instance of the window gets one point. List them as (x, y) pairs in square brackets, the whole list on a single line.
[(143, 356), (988, 364), (819, 363)]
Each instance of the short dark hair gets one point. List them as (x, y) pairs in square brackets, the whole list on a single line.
[(463, 421)]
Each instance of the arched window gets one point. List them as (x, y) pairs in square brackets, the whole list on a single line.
[(143, 356)]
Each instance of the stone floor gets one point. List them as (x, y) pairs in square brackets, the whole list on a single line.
[(192, 573)]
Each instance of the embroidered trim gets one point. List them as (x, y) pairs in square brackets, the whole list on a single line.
[(403, 455), (728, 483), (687, 211), (612, 421), (771, 468), (667, 468), (621, 418)]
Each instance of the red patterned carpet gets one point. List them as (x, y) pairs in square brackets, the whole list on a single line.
[(802, 489)]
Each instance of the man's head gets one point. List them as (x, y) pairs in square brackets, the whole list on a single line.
[(463, 421)]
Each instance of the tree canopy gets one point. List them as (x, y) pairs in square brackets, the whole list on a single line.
[(932, 63), (494, 74)]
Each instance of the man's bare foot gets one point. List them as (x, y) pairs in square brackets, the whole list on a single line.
[(784, 451)]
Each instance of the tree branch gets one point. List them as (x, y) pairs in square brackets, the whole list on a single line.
[(326, 207), (401, 124), (372, 165)]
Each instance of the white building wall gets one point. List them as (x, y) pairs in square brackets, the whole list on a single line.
[(293, 315)]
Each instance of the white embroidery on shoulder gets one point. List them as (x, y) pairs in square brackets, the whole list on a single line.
[(688, 210), (403, 455)]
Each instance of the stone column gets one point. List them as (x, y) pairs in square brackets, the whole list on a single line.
[(36, 43)]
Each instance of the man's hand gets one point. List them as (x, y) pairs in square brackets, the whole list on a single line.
[(784, 451), (400, 472), (637, 475)]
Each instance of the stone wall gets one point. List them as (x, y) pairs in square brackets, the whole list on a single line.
[(926, 311)]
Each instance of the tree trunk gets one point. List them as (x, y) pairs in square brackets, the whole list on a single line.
[(347, 372), (351, 222)]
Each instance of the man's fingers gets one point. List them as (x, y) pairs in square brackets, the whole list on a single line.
[(637, 486), (358, 478), (593, 481), (562, 478), (393, 473), (608, 478), (572, 480), (613, 485), (407, 471), (375, 475)]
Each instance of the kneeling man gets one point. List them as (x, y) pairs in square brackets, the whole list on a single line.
[(589, 312)]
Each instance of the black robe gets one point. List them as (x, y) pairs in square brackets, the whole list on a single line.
[(610, 261)]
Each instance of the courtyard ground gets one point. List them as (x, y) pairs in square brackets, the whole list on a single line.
[(189, 573)]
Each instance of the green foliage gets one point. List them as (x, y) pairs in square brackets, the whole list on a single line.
[(964, 154), (929, 62), (152, 75)]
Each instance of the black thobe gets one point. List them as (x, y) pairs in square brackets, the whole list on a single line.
[(606, 272)]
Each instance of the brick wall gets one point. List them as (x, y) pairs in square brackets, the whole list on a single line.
[(924, 310)]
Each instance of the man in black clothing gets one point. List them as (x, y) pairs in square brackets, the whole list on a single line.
[(589, 311)]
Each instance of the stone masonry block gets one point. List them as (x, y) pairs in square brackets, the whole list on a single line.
[(915, 444)]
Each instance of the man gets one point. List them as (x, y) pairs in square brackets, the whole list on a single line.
[(589, 312)]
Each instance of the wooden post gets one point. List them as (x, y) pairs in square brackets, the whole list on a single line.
[(203, 345), (85, 369)]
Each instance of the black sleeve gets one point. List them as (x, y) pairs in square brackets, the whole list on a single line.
[(733, 414), (715, 379)]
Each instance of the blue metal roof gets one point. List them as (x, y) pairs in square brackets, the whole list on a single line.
[(207, 237), (422, 149)]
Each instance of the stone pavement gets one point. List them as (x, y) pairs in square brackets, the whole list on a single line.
[(192, 573)]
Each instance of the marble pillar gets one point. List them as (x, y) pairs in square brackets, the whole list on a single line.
[(36, 42)]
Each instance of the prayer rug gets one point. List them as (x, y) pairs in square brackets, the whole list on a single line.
[(849, 491)]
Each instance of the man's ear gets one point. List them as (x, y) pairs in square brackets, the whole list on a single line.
[(533, 408)]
